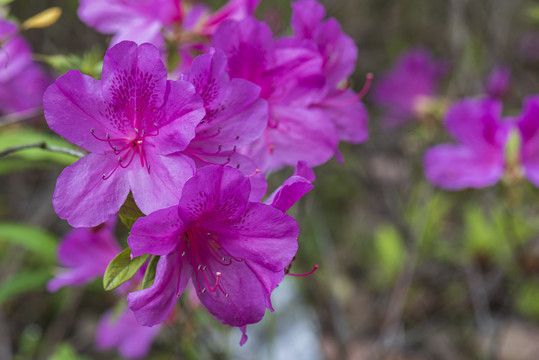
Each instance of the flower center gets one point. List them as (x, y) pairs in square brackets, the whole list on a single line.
[(127, 148), (204, 249)]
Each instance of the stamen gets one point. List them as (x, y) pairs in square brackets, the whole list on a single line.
[(355, 98), (257, 171), (301, 275)]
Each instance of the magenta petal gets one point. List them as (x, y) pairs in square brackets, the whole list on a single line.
[(303, 170), (247, 45), (133, 82), (233, 10), (244, 336), (339, 52), (152, 305), (83, 197), (289, 193), (476, 123), (348, 114), (454, 167), (528, 124), (247, 297), (74, 106), (215, 192), (263, 235), (160, 186), (156, 234), (301, 134), (180, 116), (122, 331), (306, 15)]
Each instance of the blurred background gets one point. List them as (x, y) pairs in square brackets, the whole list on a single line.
[(407, 271)]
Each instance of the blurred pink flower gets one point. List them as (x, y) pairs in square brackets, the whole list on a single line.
[(412, 80)]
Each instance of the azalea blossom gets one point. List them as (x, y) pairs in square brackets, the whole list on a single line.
[(478, 160), (188, 25), (339, 54), (84, 254), (289, 72), (404, 89), (497, 85), (235, 117), (123, 332), (134, 122), (22, 81), (232, 250)]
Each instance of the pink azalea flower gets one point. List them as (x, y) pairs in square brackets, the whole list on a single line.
[(339, 53), (233, 251), (497, 85), (528, 126), (479, 158), (134, 123), (411, 81), (22, 81), (289, 72), (85, 254), (235, 117), (189, 25), (122, 331)]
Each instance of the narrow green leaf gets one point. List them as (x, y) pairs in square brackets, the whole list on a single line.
[(149, 276), (21, 283), (129, 212), (122, 268), (31, 238)]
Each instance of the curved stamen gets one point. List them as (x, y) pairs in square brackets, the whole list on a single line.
[(301, 275), (353, 99)]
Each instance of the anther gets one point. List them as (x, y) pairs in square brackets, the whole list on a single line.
[(204, 267), (199, 267), (203, 291), (226, 295), (183, 253)]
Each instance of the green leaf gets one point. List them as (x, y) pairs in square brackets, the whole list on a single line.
[(149, 276), (31, 238), (390, 253), (129, 212), (122, 268), (64, 351), (22, 282)]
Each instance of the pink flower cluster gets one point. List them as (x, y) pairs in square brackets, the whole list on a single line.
[(194, 152), (22, 81)]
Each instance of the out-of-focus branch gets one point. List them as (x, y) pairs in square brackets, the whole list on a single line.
[(41, 145), (19, 116)]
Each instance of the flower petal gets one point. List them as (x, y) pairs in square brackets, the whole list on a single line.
[(151, 306), (528, 124), (83, 197), (156, 234), (215, 192), (454, 167), (74, 106), (476, 123), (348, 114), (263, 235), (161, 185), (133, 82)]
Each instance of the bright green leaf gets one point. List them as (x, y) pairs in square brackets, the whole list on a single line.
[(122, 268), (149, 276), (129, 212)]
